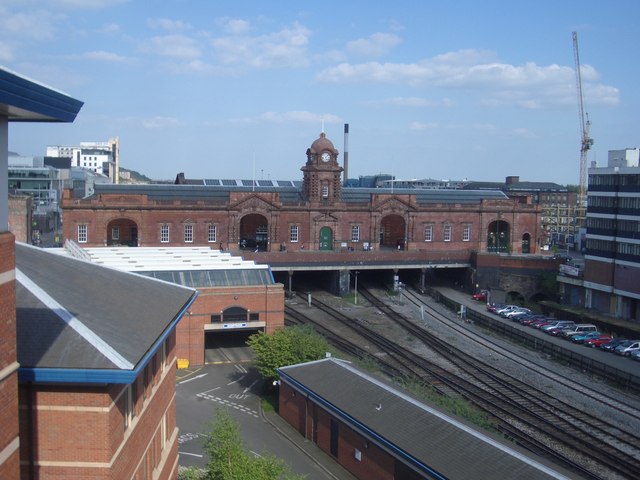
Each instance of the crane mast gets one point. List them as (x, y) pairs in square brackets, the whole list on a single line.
[(586, 141)]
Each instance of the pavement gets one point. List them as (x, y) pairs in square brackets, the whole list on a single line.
[(328, 464)]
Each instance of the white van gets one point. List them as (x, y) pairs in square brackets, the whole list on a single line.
[(580, 328)]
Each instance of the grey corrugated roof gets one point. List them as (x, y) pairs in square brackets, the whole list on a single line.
[(439, 442), (113, 318)]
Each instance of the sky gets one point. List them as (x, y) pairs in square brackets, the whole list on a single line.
[(240, 89)]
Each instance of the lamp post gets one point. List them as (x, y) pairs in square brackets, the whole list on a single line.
[(355, 298)]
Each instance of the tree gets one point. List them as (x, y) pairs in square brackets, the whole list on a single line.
[(286, 346), (228, 459)]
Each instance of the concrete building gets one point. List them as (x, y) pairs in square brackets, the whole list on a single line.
[(612, 257), (99, 157)]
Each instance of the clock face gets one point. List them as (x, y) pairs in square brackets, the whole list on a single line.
[(325, 157)]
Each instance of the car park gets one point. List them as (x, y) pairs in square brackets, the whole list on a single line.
[(598, 341), (610, 346), (625, 348), (581, 337)]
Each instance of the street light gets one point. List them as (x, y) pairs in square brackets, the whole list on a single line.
[(355, 298)]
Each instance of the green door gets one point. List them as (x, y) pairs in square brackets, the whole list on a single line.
[(326, 238)]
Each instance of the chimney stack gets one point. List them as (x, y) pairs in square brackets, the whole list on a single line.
[(346, 154)]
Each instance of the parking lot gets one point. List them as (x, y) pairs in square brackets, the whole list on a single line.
[(236, 387)]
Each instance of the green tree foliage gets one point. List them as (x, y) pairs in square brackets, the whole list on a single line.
[(286, 346), (228, 459)]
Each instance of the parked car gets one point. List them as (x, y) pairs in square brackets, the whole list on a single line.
[(492, 307), (581, 337), (580, 328), (598, 341), (559, 332), (635, 355), (515, 311), (559, 324), (610, 346), (536, 318), (625, 348), (481, 296), (506, 308)]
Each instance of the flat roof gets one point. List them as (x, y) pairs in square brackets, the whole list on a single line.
[(413, 432)]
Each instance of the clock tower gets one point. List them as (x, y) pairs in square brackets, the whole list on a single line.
[(321, 174)]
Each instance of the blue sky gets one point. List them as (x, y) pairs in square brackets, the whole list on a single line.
[(240, 89)]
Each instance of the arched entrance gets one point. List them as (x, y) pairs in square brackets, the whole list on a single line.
[(254, 230), (392, 230), (498, 237), (326, 238), (122, 231), (526, 243)]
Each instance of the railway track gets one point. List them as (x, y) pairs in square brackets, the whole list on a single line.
[(534, 419)]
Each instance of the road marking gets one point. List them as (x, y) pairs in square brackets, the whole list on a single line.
[(227, 403), (207, 391), (192, 454), (249, 387), (194, 378)]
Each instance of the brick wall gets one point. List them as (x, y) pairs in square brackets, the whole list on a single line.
[(20, 217), (9, 468), (80, 430)]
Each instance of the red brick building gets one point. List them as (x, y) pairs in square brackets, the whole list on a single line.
[(97, 355), (316, 214), (234, 295)]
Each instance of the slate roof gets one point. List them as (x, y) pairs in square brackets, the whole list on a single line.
[(81, 322), (427, 439), (291, 194)]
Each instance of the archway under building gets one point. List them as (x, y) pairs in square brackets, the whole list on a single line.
[(122, 231), (326, 238), (392, 232), (254, 234), (498, 237)]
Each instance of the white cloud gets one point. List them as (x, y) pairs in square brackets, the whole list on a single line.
[(6, 52), (160, 122), (177, 46), (168, 24), (375, 45), (234, 26), (102, 56), (34, 24), (420, 126), (285, 48), (111, 28), (88, 4), (527, 86), (295, 116)]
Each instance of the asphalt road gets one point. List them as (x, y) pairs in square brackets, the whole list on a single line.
[(235, 387)]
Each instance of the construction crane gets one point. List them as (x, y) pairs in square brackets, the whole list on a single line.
[(586, 141)]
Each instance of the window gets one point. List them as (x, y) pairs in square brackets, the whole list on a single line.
[(466, 233), (447, 233), (428, 233), (164, 233), (128, 406), (115, 233), (325, 190), (188, 233), (355, 233), (212, 234), (294, 233), (82, 234)]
